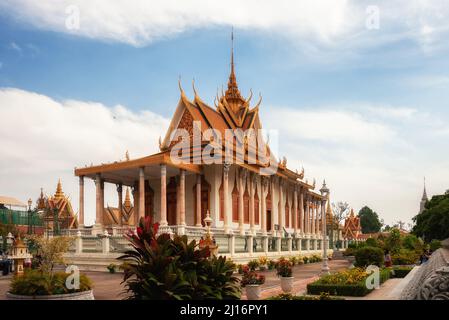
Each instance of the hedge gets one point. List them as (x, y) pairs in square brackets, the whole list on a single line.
[(401, 272), (353, 290)]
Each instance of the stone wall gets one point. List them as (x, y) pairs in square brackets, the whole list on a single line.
[(431, 280)]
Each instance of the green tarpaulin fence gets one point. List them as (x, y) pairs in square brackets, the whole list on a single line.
[(19, 218)]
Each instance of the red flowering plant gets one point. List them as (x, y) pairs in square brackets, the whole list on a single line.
[(284, 268), (251, 277), (159, 267)]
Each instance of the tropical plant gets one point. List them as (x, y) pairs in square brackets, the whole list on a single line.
[(305, 259), (162, 268), (284, 268), (369, 256)]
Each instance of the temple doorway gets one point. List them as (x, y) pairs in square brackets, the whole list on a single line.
[(205, 199)]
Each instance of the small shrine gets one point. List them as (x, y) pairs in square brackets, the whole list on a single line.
[(19, 255)]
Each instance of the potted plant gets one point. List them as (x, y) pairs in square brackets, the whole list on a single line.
[(252, 281), (253, 264), (284, 271), (271, 264), (43, 283)]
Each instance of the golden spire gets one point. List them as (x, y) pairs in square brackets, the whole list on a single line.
[(232, 95), (59, 193), (127, 203)]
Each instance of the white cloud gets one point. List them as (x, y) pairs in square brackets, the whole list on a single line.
[(374, 156), (44, 139), (14, 46), (364, 159), (337, 23)]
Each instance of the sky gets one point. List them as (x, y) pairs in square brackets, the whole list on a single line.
[(358, 90)]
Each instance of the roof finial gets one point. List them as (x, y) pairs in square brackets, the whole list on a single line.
[(424, 195), (232, 51)]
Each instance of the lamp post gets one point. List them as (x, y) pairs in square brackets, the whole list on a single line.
[(324, 192)]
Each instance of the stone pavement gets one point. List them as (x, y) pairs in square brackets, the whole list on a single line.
[(108, 286)]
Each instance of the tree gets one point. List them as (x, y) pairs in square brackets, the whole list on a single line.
[(369, 220), (393, 241), (340, 211), (433, 222)]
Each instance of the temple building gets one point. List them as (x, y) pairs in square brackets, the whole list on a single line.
[(424, 199), (179, 186), (57, 211), (352, 228)]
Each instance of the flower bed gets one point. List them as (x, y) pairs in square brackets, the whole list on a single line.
[(345, 283)]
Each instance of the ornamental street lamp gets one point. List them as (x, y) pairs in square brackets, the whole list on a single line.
[(30, 217), (324, 192), (9, 241)]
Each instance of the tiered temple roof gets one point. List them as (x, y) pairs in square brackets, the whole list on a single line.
[(352, 228), (60, 203)]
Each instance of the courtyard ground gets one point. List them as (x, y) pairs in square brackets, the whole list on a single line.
[(108, 286)]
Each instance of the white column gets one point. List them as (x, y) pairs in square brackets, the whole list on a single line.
[(242, 179), (81, 204), (226, 215), (120, 203), (325, 267), (263, 204), (141, 193), (163, 195), (105, 242), (280, 209), (307, 216), (295, 208), (313, 208), (252, 182), (182, 198), (317, 216), (99, 203), (198, 201), (301, 211)]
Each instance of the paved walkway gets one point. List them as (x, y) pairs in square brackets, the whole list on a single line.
[(108, 286)]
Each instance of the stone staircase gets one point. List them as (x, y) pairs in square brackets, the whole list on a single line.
[(338, 255)]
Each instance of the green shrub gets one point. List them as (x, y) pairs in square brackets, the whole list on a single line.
[(404, 257), (112, 268), (434, 244), (305, 259), (350, 252), (345, 283), (369, 256), (36, 283), (371, 242), (401, 272), (412, 242), (161, 268)]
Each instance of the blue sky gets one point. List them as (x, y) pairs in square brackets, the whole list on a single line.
[(366, 109)]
